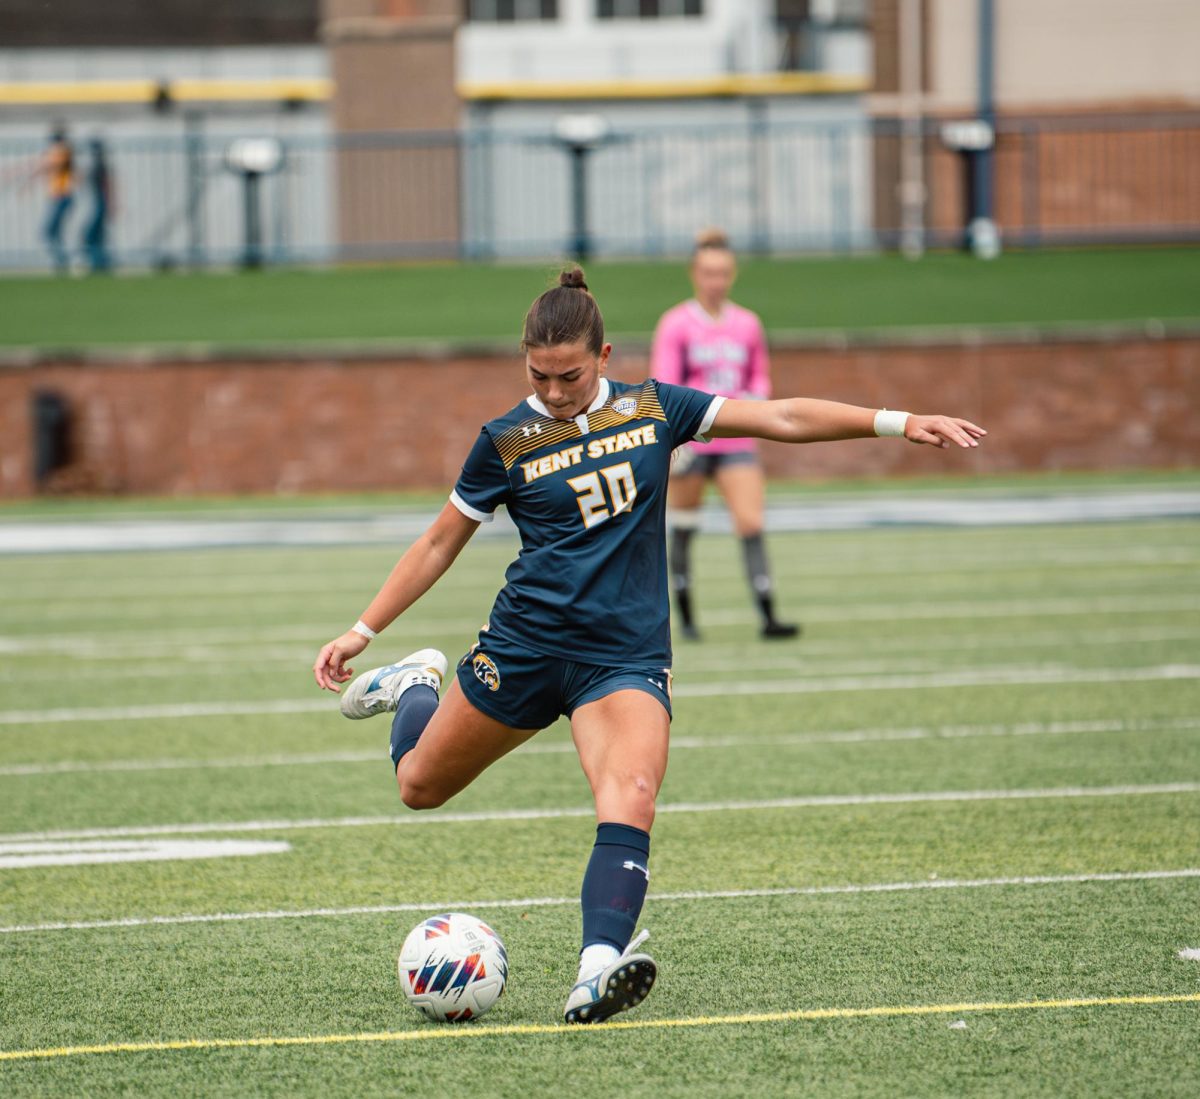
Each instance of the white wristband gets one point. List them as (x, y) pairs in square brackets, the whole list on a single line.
[(361, 627), (890, 423)]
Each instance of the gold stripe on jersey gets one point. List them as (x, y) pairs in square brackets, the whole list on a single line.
[(648, 408), (543, 431), (533, 434)]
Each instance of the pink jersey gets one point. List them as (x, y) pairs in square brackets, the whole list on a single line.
[(726, 355)]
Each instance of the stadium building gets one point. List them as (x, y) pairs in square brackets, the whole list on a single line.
[(510, 128)]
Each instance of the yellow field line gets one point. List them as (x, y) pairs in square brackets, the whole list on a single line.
[(482, 1030)]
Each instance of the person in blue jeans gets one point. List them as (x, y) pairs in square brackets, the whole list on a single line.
[(58, 167), (582, 624), (99, 183)]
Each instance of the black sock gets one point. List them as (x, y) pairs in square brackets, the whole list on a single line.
[(614, 886), (415, 708), (758, 572), (681, 571)]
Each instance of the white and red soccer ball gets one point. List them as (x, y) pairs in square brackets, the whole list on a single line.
[(453, 967)]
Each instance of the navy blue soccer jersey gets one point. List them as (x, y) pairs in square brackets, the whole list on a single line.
[(588, 496)]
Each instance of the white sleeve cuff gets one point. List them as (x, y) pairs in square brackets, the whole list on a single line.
[(706, 424), (470, 512)]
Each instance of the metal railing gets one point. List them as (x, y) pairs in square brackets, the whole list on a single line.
[(776, 186)]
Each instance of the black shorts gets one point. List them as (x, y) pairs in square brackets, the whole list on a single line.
[(689, 461), (530, 690)]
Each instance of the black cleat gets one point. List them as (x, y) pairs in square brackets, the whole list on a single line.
[(778, 631)]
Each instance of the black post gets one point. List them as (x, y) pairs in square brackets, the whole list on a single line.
[(582, 242), (252, 222), (193, 145), (984, 238), (984, 163)]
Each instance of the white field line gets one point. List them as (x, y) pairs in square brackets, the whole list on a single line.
[(160, 711), (812, 801), (982, 609), (963, 677), (108, 640), (220, 659), (391, 528), (230, 585), (559, 902), (678, 743), (993, 607), (22, 856)]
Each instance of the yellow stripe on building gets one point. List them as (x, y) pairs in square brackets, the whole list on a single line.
[(49, 93), (760, 84)]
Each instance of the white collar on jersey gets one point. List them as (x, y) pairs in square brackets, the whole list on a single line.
[(601, 398), (704, 315)]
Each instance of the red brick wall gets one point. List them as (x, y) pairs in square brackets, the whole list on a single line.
[(291, 426)]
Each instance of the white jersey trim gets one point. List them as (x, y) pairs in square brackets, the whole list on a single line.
[(599, 402), (470, 512), (702, 431)]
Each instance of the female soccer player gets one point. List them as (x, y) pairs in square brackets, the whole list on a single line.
[(712, 344), (581, 626)]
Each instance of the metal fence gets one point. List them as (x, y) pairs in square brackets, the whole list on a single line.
[(777, 187)]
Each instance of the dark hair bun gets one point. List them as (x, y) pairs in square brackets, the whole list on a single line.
[(573, 278), (712, 238)]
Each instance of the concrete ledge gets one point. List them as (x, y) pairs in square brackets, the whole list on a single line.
[(638, 343)]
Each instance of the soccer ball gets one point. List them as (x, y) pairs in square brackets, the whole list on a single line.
[(453, 967)]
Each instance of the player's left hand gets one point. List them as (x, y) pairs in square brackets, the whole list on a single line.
[(330, 667), (942, 431)]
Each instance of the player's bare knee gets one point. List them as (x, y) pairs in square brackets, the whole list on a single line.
[(417, 795), (630, 800)]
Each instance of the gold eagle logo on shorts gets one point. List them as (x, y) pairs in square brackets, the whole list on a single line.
[(486, 671)]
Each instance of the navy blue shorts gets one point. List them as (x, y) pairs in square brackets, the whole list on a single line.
[(530, 690)]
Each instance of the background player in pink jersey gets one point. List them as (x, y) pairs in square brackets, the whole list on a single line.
[(712, 344)]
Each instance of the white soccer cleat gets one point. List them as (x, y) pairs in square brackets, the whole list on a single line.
[(378, 691), (619, 986)]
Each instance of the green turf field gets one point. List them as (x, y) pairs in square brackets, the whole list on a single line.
[(946, 844), (450, 302)]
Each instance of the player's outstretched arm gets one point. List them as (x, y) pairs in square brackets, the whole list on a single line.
[(423, 564), (805, 420)]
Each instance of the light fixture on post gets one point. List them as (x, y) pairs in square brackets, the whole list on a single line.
[(580, 134), (252, 158)]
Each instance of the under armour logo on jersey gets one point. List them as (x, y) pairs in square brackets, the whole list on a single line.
[(531, 429), (629, 864)]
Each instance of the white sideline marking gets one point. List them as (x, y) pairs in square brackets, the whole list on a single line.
[(678, 743), (215, 662), (163, 663), (1191, 954), (392, 527), (966, 677), (558, 902), (110, 639), (18, 856), (815, 564), (813, 801), (166, 710)]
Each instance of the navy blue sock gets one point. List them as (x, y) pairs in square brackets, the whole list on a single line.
[(614, 886), (413, 712)]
